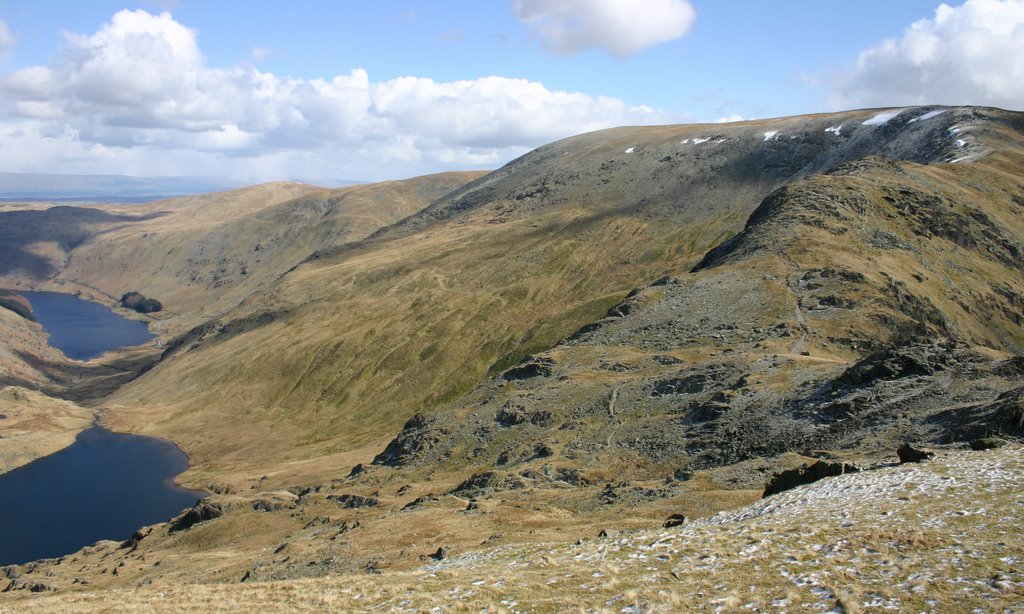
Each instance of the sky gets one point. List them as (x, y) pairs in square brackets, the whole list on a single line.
[(261, 91)]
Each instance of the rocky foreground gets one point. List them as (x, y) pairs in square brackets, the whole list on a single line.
[(940, 536)]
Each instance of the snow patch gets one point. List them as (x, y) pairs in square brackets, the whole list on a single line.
[(834, 129), (771, 135), (928, 115), (630, 150), (882, 118), (684, 141), (698, 140), (961, 143)]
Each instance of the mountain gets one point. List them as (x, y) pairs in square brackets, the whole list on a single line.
[(614, 328), (429, 309)]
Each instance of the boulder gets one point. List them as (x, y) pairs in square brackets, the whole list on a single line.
[(675, 520), (910, 454), (609, 533), (987, 443)]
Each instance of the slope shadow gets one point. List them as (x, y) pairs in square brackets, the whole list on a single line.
[(68, 227)]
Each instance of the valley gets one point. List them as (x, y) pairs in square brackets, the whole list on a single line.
[(615, 328)]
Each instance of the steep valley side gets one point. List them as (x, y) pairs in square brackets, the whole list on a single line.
[(199, 255)]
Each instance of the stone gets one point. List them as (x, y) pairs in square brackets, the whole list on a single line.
[(675, 520), (609, 533), (987, 443), (910, 454)]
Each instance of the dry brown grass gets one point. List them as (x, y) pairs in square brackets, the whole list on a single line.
[(951, 545), (35, 425)]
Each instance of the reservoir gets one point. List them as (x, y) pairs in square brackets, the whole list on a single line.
[(83, 329), (104, 486)]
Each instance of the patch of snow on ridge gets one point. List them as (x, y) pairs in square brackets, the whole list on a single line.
[(834, 129), (771, 135), (684, 141), (698, 140), (630, 150), (882, 118), (928, 115)]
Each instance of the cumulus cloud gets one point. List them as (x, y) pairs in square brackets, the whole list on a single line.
[(139, 92), (621, 28), (7, 38), (969, 54)]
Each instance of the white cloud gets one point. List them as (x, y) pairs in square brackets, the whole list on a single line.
[(728, 119), (7, 38), (620, 27), (969, 54), (138, 94)]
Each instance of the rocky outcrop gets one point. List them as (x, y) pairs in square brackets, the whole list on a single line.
[(418, 435), (899, 362), (481, 484), (539, 367), (201, 512), (275, 501), (799, 476), (351, 502)]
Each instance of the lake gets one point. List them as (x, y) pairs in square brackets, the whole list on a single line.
[(83, 329), (104, 486)]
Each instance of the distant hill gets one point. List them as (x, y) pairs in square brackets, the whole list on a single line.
[(118, 188)]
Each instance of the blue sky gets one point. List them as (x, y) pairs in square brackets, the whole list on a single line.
[(367, 91)]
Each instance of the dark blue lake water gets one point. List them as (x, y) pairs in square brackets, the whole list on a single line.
[(104, 486), (82, 329)]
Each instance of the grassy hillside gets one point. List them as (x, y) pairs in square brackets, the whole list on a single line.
[(614, 328), (197, 255), (340, 352)]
